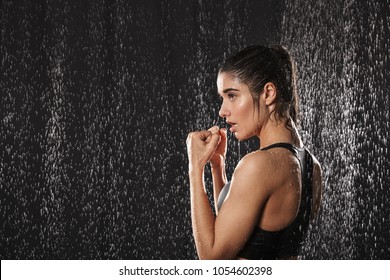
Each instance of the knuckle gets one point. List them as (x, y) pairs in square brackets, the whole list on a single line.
[(191, 135)]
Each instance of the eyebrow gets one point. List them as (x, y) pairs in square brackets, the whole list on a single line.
[(230, 89)]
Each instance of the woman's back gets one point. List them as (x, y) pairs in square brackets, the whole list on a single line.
[(284, 219)]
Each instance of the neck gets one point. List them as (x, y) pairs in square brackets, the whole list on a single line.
[(277, 131)]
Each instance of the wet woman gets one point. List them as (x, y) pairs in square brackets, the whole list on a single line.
[(275, 192)]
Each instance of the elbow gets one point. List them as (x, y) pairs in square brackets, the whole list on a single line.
[(206, 256), (213, 256), (215, 252), (206, 253)]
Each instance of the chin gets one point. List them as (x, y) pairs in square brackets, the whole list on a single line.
[(240, 137)]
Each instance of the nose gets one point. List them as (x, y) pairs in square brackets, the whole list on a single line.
[(223, 111)]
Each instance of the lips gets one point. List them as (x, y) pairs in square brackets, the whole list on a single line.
[(233, 126)]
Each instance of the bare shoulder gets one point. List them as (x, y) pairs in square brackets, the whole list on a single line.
[(257, 158), (257, 169), (253, 163)]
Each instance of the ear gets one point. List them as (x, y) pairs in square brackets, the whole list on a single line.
[(269, 93)]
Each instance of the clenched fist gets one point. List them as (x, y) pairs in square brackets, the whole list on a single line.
[(202, 145)]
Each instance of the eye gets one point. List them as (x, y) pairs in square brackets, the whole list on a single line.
[(231, 96)]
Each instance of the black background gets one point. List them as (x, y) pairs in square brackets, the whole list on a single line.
[(97, 98)]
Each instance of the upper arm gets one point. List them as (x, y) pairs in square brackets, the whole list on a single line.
[(241, 209)]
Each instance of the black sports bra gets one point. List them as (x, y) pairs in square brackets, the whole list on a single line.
[(287, 242)]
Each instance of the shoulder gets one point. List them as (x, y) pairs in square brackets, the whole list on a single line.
[(249, 186), (253, 163), (271, 168), (255, 170)]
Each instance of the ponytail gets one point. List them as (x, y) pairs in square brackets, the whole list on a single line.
[(288, 79)]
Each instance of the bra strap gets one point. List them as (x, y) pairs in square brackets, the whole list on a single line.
[(287, 146)]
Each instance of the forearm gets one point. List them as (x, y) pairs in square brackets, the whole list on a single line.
[(219, 178), (203, 220)]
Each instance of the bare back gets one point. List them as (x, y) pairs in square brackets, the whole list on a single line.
[(283, 203)]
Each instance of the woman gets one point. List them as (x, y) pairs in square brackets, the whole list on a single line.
[(265, 210)]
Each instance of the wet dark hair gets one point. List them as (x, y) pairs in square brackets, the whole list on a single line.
[(258, 65)]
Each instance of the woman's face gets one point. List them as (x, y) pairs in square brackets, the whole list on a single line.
[(238, 108)]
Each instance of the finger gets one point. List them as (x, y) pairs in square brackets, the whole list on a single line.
[(188, 137), (223, 134), (205, 135), (213, 129), (215, 139)]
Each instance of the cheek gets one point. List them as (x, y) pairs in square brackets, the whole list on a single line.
[(245, 109)]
